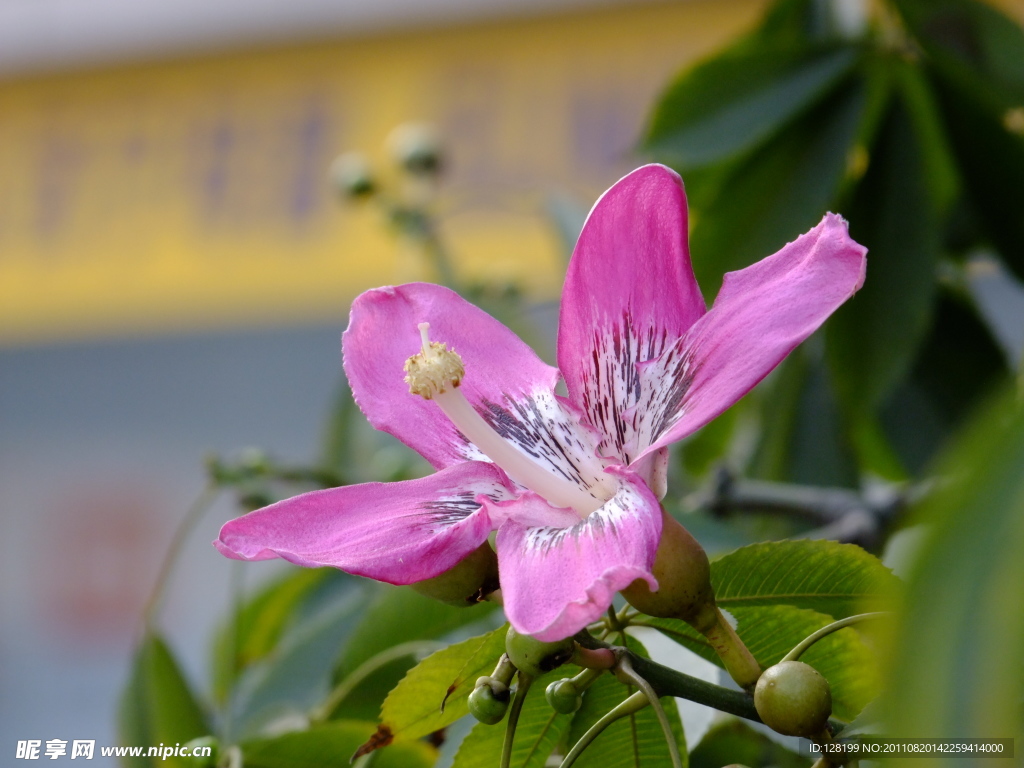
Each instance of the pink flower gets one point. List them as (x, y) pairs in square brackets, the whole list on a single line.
[(572, 485)]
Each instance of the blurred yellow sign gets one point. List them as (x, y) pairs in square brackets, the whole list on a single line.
[(194, 194)]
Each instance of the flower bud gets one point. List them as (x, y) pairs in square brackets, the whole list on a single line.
[(793, 699), (564, 697), (416, 148), (352, 175), (489, 700), (533, 657), (469, 582), (684, 579)]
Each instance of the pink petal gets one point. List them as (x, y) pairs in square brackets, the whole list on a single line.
[(506, 382), (556, 580), (629, 294), (400, 533), (760, 315)]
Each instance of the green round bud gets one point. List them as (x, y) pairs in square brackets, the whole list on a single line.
[(793, 699), (563, 696), (353, 176), (416, 148), (487, 705), (533, 657)]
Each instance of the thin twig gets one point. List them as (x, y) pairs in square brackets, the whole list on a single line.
[(630, 706), (188, 523), (625, 668), (814, 637)]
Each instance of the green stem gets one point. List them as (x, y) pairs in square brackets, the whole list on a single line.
[(738, 660), (188, 523), (811, 639), (513, 718), (367, 668), (630, 706), (625, 668)]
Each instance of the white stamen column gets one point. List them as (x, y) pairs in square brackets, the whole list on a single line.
[(435, 374)]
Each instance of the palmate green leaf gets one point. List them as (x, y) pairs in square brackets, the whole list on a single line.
[(433, 694), (539, 731), (255, 631), (770, 632), (158, 706), (734, 102), (989, 156), (956, 664), (636, 741), (802, 438), (972, 33), (396, 616), (732, 742), (780, 191), (297, 674), (824, 576), (329, 746), (958, 363), (873, 338)]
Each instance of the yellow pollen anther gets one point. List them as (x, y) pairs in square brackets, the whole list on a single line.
[(435, 368)]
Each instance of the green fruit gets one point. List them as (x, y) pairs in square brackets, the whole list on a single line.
[(793, 699), (533, 657), (564, 697), (487, 704)]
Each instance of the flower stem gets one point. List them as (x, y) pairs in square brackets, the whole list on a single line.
[(630, 706), (513, 718), (625, 668), (811, 639), (191, 519), (739, 661)]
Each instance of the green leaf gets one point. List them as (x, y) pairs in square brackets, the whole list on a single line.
[(732, 103), (990, 157), (733, 741), (254, 633), (297, 674), (702, 452), (835, 579), (331, 744), (956, 665), (398, 615), (539, 731), (778, 192), (971, 33), (636, 741), (157, 706), (874, 337), (770, 632), (958, 364), (433, 694), (815, 447)]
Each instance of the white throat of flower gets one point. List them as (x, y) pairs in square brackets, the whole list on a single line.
[(435, 374)]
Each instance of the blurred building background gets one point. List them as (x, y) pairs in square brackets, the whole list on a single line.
[(175, 270)]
